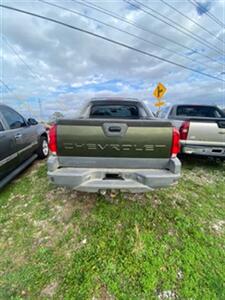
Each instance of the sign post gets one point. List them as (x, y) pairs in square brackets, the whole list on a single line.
[(158, 93)]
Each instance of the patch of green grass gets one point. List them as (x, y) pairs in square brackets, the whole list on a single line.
[(60, 244)]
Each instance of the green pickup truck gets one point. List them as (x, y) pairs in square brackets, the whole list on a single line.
[(114, 144)]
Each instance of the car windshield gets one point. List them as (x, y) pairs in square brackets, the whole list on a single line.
[(115, 111), (199, 111)]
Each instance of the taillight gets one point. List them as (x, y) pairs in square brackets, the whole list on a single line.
[(175, 149), (184, 130), (52, 139)]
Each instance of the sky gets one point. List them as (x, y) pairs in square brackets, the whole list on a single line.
[(59, 69)]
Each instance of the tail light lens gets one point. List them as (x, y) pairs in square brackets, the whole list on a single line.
[(184, 130), (53, 139), (175, 149)]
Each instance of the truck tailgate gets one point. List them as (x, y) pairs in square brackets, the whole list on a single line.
[(207, 131), (114, 138), (134, 155)]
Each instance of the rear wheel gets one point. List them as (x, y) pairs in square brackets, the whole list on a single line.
[(43, 150)]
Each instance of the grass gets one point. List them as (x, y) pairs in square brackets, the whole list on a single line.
[(166, 244)]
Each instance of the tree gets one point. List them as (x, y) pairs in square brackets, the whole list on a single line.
[(55, 116)]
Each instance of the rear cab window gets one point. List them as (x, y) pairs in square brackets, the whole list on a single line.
[(199, 111), (123, 111)]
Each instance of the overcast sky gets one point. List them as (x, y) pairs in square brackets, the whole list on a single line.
[(70, 67)]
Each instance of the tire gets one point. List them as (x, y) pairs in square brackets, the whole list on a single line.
[(43, 150)]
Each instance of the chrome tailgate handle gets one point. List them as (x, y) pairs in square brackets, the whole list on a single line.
[(114, 129)]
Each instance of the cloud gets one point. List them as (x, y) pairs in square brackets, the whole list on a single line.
[(73, 66), (203, 7)]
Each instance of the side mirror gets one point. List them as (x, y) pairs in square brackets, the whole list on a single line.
[(32, 122)]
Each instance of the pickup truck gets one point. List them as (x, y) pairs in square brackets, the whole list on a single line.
[(114, 144), (202, 128), (21, 142)]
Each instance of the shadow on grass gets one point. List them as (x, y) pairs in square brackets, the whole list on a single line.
[(192, 161), (34, 166)]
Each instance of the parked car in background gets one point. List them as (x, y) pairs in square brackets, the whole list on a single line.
[(21, 142), (115, 144), (202, 128)]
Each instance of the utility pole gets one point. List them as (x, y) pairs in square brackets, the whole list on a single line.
[(40, 109)]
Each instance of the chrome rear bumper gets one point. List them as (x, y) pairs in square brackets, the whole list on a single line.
[(204, 150), (97, 179)]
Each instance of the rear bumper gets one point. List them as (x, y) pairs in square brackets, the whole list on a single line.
[(214, 151), (96, 179)]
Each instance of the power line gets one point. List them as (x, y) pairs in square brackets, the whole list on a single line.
[(35, 75), (119, 17), (121, 30), (28, 67), (210, 15), (11, 91), (109, 40), (125, 20), (6, 86), (190, 19), (186, 32)]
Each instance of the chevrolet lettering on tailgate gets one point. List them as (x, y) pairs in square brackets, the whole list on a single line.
[(116, 147)]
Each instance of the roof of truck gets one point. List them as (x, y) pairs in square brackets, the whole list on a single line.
[(114, 99), (187, 104)]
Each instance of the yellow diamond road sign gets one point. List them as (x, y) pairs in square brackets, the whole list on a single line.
[(159, 91), (160, 103)]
